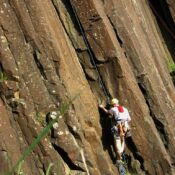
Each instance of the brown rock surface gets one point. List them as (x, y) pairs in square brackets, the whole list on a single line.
[(171, 5), (45, 61)]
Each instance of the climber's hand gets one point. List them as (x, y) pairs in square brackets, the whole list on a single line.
[(101, 106)]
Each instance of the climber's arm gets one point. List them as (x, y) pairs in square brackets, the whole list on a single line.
[(108, 112)]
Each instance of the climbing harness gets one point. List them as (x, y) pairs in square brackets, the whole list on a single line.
[(91, 55)]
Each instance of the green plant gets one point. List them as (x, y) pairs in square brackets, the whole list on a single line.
[(49, 168), (40, 118), (63, 109), (32, 146), (3, 76), (19, 170), (171, 66)]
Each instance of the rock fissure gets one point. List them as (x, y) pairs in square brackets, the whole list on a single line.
[(165, 21), (39, 65), (70, 11), (162, 131), (49, 57), (137, 155), (15, 6), (66, 159), (94, 62), (116, 32), (12, 74), (159, 125)]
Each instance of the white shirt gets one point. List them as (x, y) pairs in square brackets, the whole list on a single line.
[(120, 115)]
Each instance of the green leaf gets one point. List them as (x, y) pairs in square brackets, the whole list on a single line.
[(49, 168), (63, 109)]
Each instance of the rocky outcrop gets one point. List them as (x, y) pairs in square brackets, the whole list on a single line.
[(53, 51), (171, 5)]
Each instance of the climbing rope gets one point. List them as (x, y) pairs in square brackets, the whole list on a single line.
[(90, 53), (121, 167)]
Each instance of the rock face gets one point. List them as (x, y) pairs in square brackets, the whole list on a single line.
[(171, 5), (52, 51)]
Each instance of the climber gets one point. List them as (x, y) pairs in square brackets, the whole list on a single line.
[(120, 117)]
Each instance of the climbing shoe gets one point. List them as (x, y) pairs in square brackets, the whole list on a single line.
[(119, 162)]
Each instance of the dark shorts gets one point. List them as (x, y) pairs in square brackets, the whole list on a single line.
[(128, 133), (116, 133)]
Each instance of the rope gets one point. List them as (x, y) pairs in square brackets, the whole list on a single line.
[(90, 53)]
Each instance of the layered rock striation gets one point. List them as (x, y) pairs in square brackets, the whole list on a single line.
[(54, 51)]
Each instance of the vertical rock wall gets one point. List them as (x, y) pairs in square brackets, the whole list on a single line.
[(46, 61), (171, 5)]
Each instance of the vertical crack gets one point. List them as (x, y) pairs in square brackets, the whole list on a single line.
[(92, 58), (165, 21), (132, 147), (39, 65), (66, 159), (159, 125), (116, 32)]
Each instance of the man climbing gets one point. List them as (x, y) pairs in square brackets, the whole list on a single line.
[(120, 117)]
